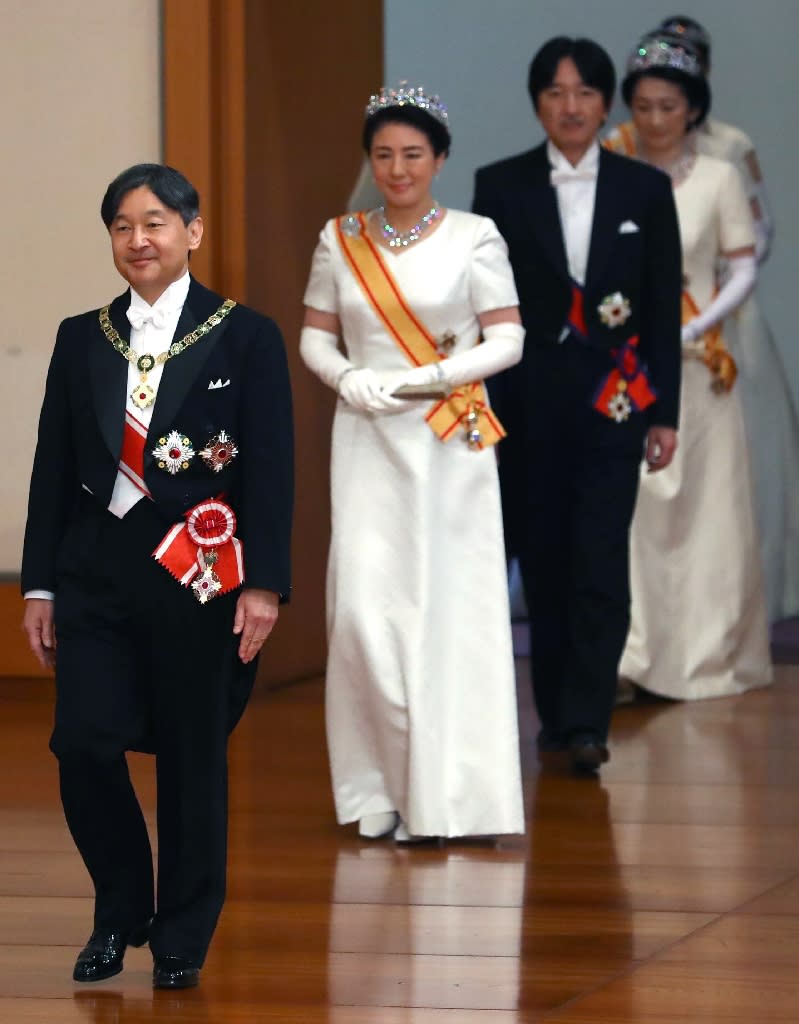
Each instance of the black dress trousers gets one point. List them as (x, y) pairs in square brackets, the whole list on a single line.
[(142, 665), (581, 475)]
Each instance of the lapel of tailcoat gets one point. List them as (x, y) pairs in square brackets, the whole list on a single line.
[(108, 372), (181, 371), (607, 217), (541, 211)]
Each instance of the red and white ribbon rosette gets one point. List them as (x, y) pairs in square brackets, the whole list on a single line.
[(202, 552)]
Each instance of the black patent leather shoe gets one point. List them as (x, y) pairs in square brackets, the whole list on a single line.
[(587, 752), (550, 741), (174, 972), (103, 954)]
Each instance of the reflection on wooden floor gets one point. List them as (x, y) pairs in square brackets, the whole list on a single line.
[(666, 891)]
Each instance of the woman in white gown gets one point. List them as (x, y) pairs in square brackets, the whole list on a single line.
[(770, 413), (421, 700), (698, 610)]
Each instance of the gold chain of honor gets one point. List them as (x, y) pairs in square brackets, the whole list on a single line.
[(143, 395)]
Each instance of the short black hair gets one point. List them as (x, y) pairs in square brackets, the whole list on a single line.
[(593, 63), (687, 30), (438, 135), (695, 88), (173, 189)]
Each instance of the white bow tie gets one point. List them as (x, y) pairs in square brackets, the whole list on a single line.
[(568, 174), (139, 316)]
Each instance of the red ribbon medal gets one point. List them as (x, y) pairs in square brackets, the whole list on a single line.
[(626, 388), (203, 552)]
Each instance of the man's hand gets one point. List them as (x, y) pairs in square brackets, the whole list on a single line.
[(661, 444), (37, 622), (256, 614)]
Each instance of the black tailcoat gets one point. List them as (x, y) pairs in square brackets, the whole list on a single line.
[(569, 474), (140, 663)]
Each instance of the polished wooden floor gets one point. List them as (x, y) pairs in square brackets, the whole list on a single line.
[(666, 891)]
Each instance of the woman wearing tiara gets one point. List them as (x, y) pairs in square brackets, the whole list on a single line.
[(421, 698), (770, 413), (698, 611)]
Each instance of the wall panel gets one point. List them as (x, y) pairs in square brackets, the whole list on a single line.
[(263, 110)]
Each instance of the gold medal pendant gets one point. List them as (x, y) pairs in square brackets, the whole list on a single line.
[(142, 395)]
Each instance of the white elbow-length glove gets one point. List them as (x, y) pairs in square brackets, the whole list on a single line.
[(739, 284), (360, 388), (501, 347)]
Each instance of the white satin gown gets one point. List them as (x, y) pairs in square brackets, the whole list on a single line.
[(699, 626), (420, 689), (771, 419)]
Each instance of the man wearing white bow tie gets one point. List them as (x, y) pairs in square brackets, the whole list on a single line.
[(156, 555), (594, 245)]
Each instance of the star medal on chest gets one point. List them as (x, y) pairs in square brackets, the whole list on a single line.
[(219, 452), (143, 395), (614, 310), (174, 452)]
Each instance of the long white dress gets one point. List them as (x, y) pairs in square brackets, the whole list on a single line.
[(421, 697), (699, 624), (770, 413), (772, 421)]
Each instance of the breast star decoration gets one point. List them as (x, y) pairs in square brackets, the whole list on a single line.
[(614, 310), (219, 452), (174, 452)]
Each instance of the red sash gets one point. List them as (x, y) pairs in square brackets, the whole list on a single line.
[(131, 460)]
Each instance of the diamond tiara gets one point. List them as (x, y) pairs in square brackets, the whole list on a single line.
[(658, 52), (408, 97)]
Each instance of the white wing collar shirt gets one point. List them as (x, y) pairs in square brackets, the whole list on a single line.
[(152, 329), (575, 188)]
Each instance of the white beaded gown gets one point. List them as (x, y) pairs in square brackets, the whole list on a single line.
[(699, 624), (770, 413), (420, 688)]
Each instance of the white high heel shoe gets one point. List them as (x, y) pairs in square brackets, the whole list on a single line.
[(375, 826), (402, 835)]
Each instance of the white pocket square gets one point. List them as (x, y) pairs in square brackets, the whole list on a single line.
[(628, 227), (215, 384)]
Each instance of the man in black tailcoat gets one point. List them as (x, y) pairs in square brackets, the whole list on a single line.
[(156, 555), (595, 249)]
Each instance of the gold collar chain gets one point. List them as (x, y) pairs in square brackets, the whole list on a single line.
[(143, 395)]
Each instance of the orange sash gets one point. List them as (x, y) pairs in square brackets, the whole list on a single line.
[(466, 406), (716, 357), (622, 140)]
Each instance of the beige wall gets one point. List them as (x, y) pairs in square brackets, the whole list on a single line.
[(80, 81)]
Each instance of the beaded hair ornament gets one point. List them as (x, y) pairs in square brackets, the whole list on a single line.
[(415, 96), (658, 52)]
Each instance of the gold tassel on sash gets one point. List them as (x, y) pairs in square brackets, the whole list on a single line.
[(715, 356), (466, 406)]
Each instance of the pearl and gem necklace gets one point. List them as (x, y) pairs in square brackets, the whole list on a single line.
[(401, 239)]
